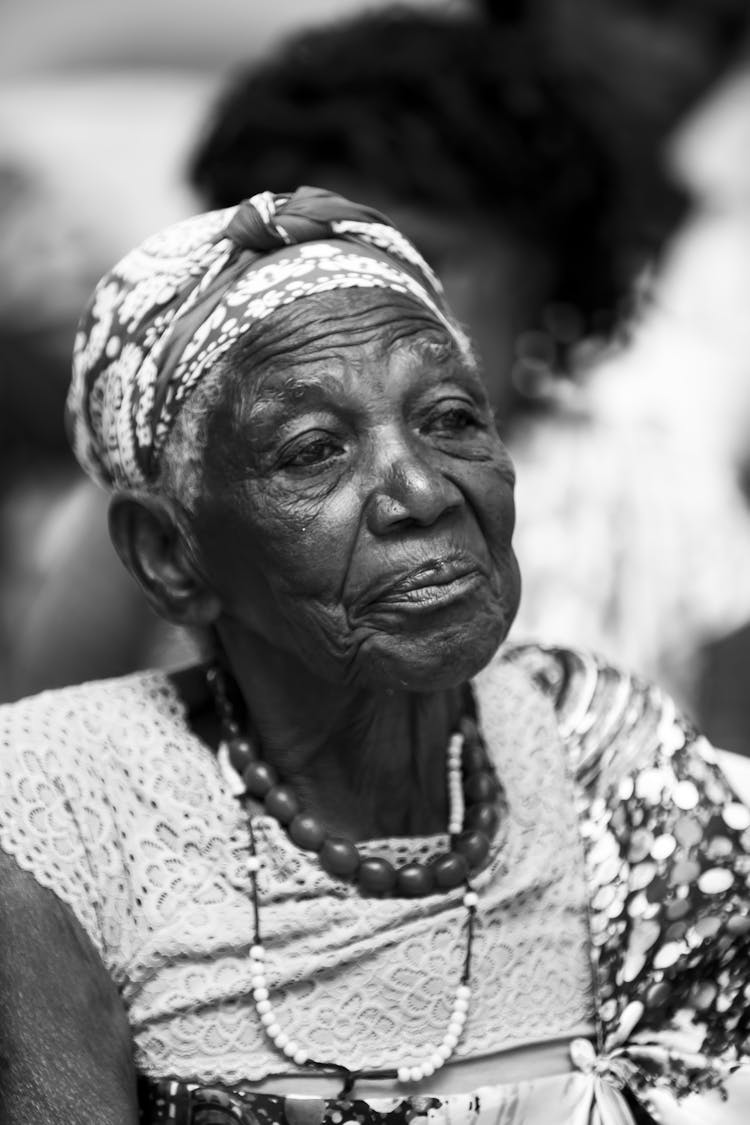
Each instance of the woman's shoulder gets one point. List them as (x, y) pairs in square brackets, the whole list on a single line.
[(626, 740), (583, 686), (86, 713), (83, 736), (612, 722)]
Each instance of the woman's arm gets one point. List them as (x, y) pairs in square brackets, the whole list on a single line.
[(65, 1045)]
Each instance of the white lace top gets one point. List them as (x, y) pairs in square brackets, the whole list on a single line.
[(108, 798)]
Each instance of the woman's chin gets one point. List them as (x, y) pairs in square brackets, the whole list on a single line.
[(430, 662)]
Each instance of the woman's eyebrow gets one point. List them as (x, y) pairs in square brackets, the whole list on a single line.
[(444, 354), (270, 397), (455, 370)]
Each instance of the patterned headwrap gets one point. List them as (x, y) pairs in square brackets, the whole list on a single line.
[(160, 319)]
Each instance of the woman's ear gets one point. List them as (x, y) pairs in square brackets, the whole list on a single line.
[(147, 536)]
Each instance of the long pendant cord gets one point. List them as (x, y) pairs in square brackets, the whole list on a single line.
[(477, 788), (416, 1071)]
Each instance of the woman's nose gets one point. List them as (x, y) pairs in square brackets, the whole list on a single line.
[(412, 491)]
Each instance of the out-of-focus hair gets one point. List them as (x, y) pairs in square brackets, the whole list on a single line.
[(632, 69), (444, 113)]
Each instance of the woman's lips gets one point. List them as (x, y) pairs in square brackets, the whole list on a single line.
[(429, 586)]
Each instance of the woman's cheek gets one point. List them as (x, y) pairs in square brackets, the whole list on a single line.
[(305, 554), (491, 495)]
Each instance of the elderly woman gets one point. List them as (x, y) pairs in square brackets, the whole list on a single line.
[(359, 866)]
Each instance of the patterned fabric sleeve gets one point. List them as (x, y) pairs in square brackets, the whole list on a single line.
[(667, 844)]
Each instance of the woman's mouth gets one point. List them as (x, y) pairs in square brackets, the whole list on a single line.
[(427, 587)]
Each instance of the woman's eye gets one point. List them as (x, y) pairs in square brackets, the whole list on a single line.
[(454, 419), (310, 453)]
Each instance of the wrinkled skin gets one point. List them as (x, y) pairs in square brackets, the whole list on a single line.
[(363, 455), (353, 542)]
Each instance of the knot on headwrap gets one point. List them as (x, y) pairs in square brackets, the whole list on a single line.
[(166, 313), (269, 222)]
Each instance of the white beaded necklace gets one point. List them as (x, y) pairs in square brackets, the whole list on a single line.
[(429, 1061)]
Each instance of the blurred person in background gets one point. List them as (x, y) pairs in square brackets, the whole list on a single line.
[(710, 154), (34, 365), (632, 69), (68, 143), (662, 429)]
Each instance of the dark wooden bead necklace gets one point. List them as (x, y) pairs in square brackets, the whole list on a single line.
[(475, 798)]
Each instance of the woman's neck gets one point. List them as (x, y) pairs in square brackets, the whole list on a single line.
[(368, 764)]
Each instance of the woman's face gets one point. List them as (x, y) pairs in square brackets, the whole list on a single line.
[(358, 503)]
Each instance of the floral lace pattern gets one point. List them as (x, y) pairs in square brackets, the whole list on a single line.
[(108, 798)]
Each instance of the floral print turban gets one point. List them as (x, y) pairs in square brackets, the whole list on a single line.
[(160, 319)]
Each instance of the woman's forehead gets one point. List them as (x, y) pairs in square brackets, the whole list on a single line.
[(341, 354), (347, 317), (340, 329)]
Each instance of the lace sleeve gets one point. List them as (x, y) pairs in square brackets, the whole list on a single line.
[(49, 820)]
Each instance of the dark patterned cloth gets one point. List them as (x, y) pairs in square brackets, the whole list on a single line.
[(667, 855), (165, 1102)]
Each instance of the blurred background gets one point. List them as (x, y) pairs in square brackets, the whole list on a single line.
[(579, 173)]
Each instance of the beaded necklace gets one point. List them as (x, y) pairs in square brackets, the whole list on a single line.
[(475, 797)]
